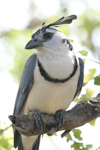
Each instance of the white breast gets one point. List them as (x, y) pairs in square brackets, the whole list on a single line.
[(49, 97)]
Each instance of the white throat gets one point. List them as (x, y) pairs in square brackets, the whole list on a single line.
[(55, 66)]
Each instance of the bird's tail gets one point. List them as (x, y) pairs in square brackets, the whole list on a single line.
[(29, 143), (36, 144)]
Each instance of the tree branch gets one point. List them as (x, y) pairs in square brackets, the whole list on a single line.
[(79, 115)]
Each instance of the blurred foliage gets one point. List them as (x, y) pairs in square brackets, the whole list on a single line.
[(97, 80), (14, 42), (75, 142), (16, 47), (88, 94), (6, 138), (92, 123), (83, 52)]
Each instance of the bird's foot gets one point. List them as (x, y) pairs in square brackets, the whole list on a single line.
[(38, 119), (59, 118)]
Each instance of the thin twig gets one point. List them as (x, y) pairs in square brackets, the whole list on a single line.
[(1, 131)]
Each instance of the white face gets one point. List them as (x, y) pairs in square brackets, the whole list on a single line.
[(49, 40), (56, 42)]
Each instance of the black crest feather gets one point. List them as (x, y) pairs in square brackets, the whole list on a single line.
[(63, 20)]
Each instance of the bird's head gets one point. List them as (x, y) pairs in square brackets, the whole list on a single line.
[(49, 38)]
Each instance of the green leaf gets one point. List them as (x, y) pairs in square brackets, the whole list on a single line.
[(69, 138), (81, 146), (71, 40), (77, 134), (87, 78), (97, 80), (83, 52), (76, 99), (77, 145), (92, 123), (55, 134), (88, 94), (92, 71), (84, 60), (89, 146)]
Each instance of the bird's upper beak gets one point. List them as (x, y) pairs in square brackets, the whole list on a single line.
[(33, 44)]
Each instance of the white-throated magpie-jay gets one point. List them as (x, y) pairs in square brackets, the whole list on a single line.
[(51, 79)]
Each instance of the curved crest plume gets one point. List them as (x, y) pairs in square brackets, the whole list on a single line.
[(63, 20)]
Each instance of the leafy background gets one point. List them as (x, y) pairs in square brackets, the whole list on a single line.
[(18, 20)]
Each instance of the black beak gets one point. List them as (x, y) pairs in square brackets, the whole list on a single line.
[(33, 44)]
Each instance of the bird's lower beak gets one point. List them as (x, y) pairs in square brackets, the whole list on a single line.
[(33, 44)]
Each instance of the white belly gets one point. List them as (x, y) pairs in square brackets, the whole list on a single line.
[(49, 97)]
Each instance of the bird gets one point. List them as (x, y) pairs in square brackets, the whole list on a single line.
[(51, 79)]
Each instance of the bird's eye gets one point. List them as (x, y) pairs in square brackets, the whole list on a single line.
[(47, 35)]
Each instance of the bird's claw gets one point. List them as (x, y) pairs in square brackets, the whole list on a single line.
[(38, 119), (59, 118)]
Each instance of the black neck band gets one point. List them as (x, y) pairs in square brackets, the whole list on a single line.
[(50, 79)]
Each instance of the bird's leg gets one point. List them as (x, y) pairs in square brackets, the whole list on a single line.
[(38, 119), (59, 118)]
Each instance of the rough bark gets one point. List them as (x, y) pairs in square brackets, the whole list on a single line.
[(79, 115)]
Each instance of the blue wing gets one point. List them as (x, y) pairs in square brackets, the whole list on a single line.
[(26, 83), (81, 77)]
